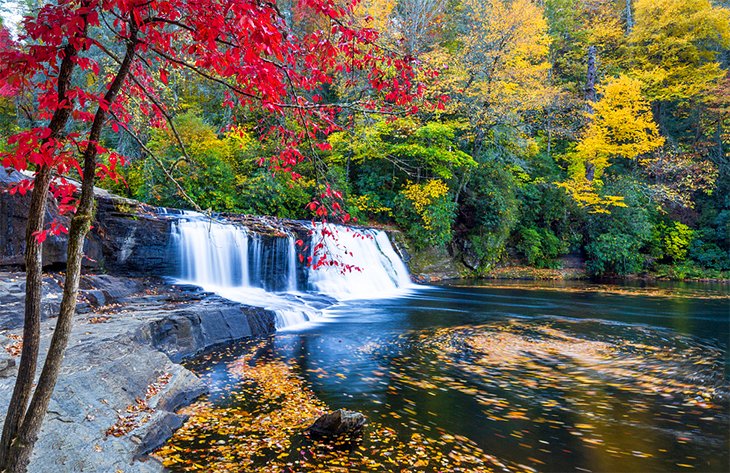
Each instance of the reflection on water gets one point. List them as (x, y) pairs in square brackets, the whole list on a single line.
[(478, 379)]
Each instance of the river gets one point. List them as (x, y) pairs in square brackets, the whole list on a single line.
[(498, 377)]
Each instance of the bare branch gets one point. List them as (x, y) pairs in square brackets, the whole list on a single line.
[(159, 162)]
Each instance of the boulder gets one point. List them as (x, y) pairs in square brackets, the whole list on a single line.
[(338, 423)]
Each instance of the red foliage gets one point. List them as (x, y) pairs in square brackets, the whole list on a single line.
[(247, 47)]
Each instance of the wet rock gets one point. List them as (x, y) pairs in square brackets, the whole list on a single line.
[(338, 423), (162, 426), (469, 256), (126, 236), (13, 217), (215, 321), (131, 238), (12, 294)]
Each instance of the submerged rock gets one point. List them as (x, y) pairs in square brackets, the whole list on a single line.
[(338, 423)]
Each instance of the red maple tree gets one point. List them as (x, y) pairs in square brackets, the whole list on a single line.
[(88, 65)]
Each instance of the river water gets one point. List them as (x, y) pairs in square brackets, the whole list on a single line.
[(521, 377)]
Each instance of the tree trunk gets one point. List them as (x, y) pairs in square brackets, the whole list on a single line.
[(591, 97), (34, 272), (629, 17), (22, 447), (590, 90)]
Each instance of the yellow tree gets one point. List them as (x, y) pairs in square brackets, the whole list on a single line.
[(378, 15), (676, 46), (621, 127), (497, 69)]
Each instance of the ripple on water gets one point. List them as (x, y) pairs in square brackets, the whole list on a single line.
[(544, 394)]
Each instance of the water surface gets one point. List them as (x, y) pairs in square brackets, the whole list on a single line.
[(494, 378)]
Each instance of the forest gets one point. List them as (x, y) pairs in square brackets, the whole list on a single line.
[(464, 140), (543, 128)]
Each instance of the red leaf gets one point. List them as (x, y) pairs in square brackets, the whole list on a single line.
[(40, 236)]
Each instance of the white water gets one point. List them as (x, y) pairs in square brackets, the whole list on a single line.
[(223, 258), (213, 254), (368, 266)]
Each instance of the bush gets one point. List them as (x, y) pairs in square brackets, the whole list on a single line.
[(709, 255), (615, 241), (614, 254), (674, 240), (426, 213), (489, 211), (540, 247)]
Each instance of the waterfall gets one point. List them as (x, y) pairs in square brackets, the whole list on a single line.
[(265, 271), (256, 266), (213, 254), (367, 265), (291, 265)]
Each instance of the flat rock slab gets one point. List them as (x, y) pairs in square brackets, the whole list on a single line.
[(119, 353)]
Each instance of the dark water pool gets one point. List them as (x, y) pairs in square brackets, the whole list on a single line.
[(500, 378)]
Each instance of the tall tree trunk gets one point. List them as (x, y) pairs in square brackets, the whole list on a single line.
[(591, 75), (22, 447), (629, 17), (591, 97), (34, 271)]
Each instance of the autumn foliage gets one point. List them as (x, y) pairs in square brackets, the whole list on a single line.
[(86, 72), (249, 49)]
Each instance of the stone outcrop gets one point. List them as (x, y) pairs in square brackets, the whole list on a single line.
[(121, 380), (131, 238), (337, 424), (127, 236), (13, 217), (428, 265)]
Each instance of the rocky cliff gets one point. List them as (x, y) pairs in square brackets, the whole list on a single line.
[(127, 236), (121, 381)]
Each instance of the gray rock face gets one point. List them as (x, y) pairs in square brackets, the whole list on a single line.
[(338, 423), (130, 238), (13, 218), (126, 236), (8, 366), (12, 294), (121, 353), (214, 321)]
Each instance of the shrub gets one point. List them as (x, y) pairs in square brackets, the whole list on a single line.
[(613, 253), (675, 238), (540, 247), (426, 212)]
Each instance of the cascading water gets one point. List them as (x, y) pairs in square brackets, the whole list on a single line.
[(263, 271), (213, 254), (368, 266)]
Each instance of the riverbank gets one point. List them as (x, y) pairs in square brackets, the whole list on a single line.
[(122, 383), (664, 273)]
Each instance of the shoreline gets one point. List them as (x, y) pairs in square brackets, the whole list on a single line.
[(527, 273)]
